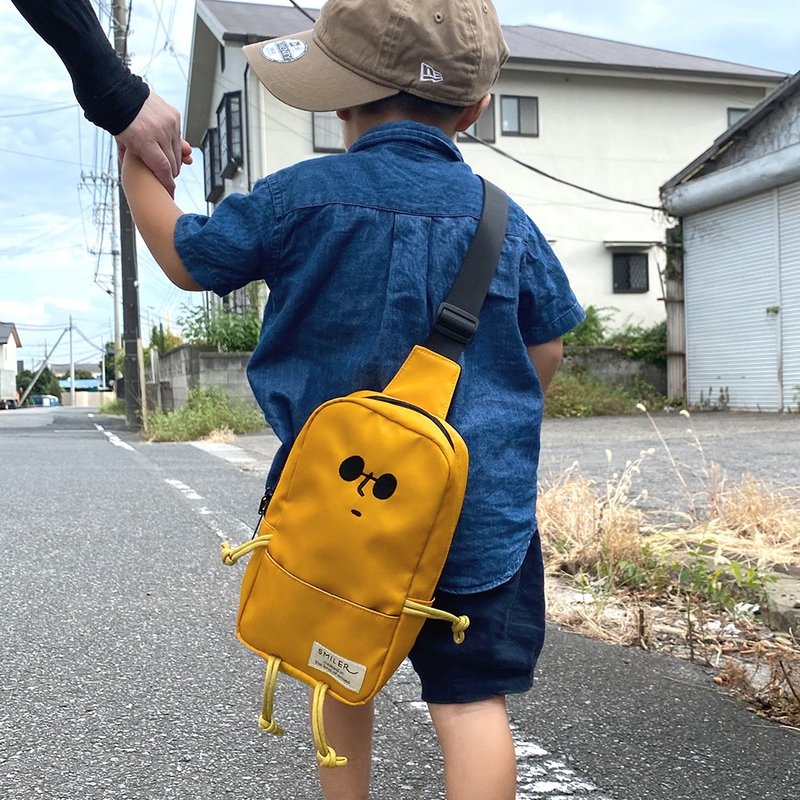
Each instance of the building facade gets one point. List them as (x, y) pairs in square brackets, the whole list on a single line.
[(612, 118), (739, 205)]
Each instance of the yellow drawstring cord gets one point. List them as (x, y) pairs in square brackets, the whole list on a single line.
[(230, 555), (458, 624), (266, 721), (326, 755)]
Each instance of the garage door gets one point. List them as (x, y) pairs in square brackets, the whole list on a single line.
[(789, 221), (733, 324)]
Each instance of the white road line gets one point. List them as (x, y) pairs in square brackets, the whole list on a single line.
[(186, 491), (114, 439), (540, 775), (226, 527)]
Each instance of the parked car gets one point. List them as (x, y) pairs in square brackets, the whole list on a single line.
[(45, 400)]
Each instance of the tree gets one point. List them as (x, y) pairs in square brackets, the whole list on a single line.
[(47, 382), (164, 339), (228, 331)]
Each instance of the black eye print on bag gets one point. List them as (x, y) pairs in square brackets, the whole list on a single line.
[(352, 468)]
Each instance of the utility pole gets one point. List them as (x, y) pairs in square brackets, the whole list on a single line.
[(131, 340), (71, 367), (115, 264)]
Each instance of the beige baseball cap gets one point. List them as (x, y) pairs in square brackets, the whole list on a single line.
[(448, 51)]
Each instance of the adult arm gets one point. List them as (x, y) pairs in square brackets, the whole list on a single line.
[(111, 96), (155, 214), (546, 359)]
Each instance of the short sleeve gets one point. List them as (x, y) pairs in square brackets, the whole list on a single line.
[(233, 246), (547, 306)]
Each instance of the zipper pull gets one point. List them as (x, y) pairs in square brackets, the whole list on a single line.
[(262, 508)]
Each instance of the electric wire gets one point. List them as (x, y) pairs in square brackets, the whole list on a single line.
[(302, 10), (35, 113), (547, 175)]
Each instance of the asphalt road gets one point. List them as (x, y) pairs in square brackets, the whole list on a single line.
[(120, 676)]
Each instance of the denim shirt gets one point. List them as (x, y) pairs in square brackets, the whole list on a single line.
[(358, 251)]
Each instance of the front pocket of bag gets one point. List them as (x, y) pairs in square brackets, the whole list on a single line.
[(317, 635)]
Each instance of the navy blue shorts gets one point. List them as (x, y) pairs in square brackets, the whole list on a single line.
[(502, 643)]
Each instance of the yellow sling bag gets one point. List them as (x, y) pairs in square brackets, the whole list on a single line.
[(350, 547)]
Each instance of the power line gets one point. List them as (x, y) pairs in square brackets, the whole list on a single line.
[(561, 180), (34, 113), (302, 10)]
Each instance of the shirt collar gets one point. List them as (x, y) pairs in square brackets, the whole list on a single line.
[(426, 137)]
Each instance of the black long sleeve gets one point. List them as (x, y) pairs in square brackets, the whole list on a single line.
[(110, 95)]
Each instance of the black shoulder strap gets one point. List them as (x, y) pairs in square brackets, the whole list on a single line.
[(457, 318)]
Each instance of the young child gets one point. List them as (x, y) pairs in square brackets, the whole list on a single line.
[(358, 251)]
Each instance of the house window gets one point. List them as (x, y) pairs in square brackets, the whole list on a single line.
[(520, 116), (483, 128), (229, 124), (327, 132), (631, 273), (735, 114), (211, 166)]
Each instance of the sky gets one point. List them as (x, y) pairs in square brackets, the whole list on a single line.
[(55, 220)]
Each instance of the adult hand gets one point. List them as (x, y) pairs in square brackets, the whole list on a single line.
[(155, 137)]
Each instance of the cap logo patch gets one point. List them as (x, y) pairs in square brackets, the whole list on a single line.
[(427, 74), (284, 51)]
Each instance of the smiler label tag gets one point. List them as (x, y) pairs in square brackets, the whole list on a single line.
[(349, 673)]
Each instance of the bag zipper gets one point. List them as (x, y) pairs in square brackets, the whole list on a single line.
[(403, 404)]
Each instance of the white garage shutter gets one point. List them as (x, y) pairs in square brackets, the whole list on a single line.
[(789, 216), (731, 282)]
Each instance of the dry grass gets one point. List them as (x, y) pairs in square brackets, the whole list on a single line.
[(222, 435), (753, 520), (582, 524), (594, 535)]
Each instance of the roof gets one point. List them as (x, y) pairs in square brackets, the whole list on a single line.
[(234, 21), (770, 103), (7, 330)]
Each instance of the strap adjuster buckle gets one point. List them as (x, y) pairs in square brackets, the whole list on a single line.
[(456, 323)]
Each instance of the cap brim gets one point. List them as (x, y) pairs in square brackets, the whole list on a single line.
[(312, 81)]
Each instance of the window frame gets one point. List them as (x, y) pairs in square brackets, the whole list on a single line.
[(230, 129), (519, 132), (616, 266), (739, 112), (488, 118), (320, 148), (213, 183)]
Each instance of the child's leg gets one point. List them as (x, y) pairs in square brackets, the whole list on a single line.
[(349, 731), (478, 749)]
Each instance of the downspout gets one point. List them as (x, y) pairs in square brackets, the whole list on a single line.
[(735, 182)]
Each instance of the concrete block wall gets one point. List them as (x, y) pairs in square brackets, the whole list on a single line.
[(608, 364), (191, 366)]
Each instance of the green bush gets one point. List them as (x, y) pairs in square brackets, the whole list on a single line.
[(593, 330), (578, 395), (228, 331), (642, 344), (206, 410), (114, 408)]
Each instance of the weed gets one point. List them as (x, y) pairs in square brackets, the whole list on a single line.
[(697, 591), (113, 408), (206, 411), (577, 395)]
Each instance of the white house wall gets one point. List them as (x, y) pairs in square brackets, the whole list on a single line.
[(624, 137), (621, 137)]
